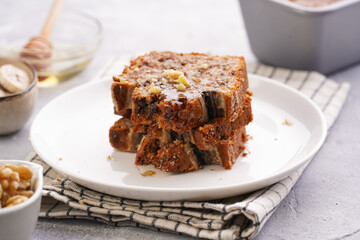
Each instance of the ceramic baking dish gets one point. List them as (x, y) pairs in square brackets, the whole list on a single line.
[(289, 35)]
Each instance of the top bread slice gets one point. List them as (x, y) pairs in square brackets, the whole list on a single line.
[(181, 91)]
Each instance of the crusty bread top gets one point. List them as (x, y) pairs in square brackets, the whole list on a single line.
[(202, 72)]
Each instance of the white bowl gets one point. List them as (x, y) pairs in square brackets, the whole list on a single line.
[(18, 222)]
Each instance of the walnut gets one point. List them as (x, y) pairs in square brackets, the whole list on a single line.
[(184, 81), (172, 74), (154, 89), (204, 66), (181, 87)]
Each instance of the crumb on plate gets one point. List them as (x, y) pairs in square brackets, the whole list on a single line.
[(148, 173), (287, 122)]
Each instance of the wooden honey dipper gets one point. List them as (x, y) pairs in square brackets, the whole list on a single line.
[(40, 47)]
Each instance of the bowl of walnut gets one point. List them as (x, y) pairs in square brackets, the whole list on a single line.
[(20, 198)]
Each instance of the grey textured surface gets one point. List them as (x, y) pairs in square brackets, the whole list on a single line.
[(324, 204)]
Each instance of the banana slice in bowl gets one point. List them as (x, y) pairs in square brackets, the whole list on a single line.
[(13, 79)]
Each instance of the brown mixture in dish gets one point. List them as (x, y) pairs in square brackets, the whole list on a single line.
[(314, 3)]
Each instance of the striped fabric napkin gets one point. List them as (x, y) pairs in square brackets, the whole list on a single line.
[(238, 217)]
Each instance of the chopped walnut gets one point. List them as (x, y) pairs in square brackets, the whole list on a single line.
[(136, 69), (172, 74), (164, 80), (154, 89), (153, 80), (184, 81), (15, 200), (176, 80), (204, 66), (181, 87)]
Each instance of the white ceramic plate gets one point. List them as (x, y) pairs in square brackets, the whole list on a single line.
[(74, 128)]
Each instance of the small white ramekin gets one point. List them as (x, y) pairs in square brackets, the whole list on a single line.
[(18, 222)]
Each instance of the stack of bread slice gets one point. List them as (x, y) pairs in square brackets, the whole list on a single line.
[(182, 111)]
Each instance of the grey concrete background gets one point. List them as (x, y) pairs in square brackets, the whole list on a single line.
[(325, 202)]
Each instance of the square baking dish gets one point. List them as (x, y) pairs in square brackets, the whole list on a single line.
[(286, 34)]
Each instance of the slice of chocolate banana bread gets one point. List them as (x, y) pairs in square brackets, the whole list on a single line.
[(181, 91)]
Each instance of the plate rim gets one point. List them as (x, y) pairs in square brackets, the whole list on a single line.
[(279, 174)]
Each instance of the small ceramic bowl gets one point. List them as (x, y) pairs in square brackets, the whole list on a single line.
[(16, 108), (18, 222)]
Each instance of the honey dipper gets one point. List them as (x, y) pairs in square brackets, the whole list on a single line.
[(40, 47)]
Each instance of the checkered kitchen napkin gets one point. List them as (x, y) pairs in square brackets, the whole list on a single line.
[(238, 217)]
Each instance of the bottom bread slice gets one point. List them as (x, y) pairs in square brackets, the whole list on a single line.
[(183, 156)]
